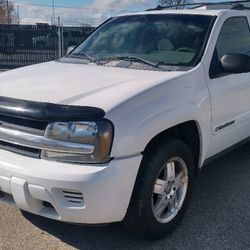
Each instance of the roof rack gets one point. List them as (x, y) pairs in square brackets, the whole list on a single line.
[(238, 5)]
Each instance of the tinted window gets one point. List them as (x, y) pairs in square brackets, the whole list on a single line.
[(76, 34), (65, 34), (234, 37)]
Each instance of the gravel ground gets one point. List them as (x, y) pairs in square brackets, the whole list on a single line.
[(218, 218)]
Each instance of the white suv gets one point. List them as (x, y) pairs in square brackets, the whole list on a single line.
[(118, 129)]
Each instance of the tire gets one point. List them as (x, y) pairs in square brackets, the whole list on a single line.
[(143, 216)]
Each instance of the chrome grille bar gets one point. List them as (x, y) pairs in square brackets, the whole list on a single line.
[(22, 128), (22, 138)]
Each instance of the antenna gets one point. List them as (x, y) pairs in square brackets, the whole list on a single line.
[(201, 4)]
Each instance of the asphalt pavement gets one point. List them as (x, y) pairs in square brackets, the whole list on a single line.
[(218, 218)]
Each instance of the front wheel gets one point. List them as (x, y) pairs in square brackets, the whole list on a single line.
[(162, 190)]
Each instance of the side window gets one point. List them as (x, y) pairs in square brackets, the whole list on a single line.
[(234, 37)]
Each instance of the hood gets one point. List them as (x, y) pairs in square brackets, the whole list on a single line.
[(79, 84)]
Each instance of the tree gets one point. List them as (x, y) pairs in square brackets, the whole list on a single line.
[(3, 12), (173, 3)]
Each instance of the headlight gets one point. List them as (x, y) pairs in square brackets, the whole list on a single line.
[(90, 141)]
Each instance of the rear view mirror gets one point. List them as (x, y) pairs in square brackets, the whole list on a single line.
[(235, 63), (70, 49)]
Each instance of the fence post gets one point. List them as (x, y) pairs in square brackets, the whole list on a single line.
[(62, 39), (59, 38)]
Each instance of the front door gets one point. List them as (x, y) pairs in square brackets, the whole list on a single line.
[(230, 93)]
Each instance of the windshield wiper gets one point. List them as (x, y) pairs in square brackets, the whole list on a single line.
[(83, 55), (134, 59)]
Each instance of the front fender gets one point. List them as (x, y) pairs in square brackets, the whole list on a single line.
[(132, 135), (139, 119)]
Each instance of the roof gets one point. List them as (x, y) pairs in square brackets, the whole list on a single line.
[(210, 12)]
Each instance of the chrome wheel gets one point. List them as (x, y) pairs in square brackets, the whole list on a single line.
[(170, 190)]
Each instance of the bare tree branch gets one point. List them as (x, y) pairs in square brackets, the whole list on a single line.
[(3, 12), (173, 3)]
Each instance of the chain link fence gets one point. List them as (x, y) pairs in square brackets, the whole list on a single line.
[(22, 45)]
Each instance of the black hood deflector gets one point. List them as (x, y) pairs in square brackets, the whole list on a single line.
[(47, 112)]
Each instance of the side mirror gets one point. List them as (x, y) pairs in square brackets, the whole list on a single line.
[(235, 63), (70, 49)]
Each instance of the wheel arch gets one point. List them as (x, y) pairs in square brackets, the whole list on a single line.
[(189, 132)]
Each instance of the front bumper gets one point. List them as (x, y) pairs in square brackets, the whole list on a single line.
[(72, 193)]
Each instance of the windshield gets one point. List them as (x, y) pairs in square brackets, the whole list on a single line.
[(163, 39)]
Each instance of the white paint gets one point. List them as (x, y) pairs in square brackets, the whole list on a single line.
[(141, 104)]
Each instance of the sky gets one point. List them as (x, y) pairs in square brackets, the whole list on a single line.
[(77, 12)]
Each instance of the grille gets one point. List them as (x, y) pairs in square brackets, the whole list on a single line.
[(25, 125), (30, 152), (73, 196)]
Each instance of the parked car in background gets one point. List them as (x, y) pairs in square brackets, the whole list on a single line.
[(7, 42), (119, 128), (42, 42), (69, 38), (72, 38)]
